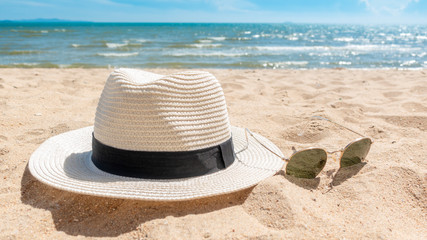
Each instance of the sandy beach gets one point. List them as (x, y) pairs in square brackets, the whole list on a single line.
[(383, 198)]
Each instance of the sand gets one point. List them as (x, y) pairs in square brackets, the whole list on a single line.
[(383, 198)]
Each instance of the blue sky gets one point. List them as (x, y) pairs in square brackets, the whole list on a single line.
[(311, 11)]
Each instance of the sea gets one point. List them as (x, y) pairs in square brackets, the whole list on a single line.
[(212, 45)]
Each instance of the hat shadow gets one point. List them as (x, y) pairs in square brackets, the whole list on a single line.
[(92, 216)]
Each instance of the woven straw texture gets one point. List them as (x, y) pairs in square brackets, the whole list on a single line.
[(143, 111)]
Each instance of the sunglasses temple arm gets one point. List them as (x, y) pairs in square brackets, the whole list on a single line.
[(247, 142), (322, 118), (294, 149), (305, 128), (250, 133)]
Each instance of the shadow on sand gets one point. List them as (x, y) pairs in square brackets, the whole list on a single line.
[(91, 216), (309, 184), (345, 173), (340, 176), (77, 214)]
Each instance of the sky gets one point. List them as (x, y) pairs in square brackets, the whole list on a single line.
[(230, 11)]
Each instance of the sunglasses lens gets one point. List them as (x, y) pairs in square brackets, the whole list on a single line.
[(355, 152), (307, 163)]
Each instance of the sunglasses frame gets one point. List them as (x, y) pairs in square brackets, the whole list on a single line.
[(342, 150)]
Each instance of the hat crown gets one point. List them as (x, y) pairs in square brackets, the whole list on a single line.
[(143, 111)]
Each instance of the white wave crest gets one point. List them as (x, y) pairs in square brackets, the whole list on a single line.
[(118, 54), (409, 63), (285, 64), (217, 38), (360, 48), (204, 41), (206, 54), (204, 45), (292, 38), (141, 40), (289, 48), (344, 39), (116, 45), (26, 64)]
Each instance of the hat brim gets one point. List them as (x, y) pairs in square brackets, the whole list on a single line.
[(64, 162)]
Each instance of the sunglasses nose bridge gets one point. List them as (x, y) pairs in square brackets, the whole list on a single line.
[(334, 154)]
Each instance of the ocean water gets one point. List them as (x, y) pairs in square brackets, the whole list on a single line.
[(174, 45)]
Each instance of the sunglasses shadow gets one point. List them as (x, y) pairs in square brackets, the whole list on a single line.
[(345, 173), (308, 184)]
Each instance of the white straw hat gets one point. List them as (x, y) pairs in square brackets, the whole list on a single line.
[(161, 138)]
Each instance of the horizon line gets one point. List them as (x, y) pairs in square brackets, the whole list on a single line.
[(56, 20)]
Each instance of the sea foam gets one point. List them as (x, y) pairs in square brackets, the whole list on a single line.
[(118, 54)]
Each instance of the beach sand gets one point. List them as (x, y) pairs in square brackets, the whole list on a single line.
[(384, 198)]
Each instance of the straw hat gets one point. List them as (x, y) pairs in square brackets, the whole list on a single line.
[(162, 138)]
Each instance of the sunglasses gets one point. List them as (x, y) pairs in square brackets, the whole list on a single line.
[(308, 163)]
